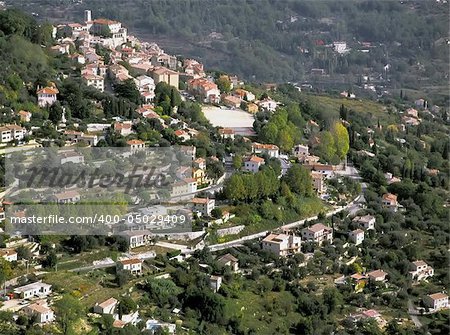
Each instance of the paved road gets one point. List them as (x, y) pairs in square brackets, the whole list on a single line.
[(352, 207), (142, 255), (237, 242), (411, 312), (170, 245)]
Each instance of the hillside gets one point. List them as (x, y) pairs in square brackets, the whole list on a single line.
[(355, 264), (283, 40)]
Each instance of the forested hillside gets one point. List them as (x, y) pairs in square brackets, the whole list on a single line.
[(283, 40)]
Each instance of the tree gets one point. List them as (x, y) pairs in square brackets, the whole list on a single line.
[(51, 260), (234, 188), (211, 306), (68, 309), (122, 277), (332, 298), (305, 326), (224, 84), (5, 270), (237, 162), (55, 113), (326, 148), (369, 327), (343, 112), (13, 21), (175, 97), (15, 82), (126, 305), (162, 291), (216, 213), (285, 140), (299, 180), (104, 31), (107, 323), (341, 139), (129, 91), (23, 252)]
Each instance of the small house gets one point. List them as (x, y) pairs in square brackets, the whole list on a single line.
[(134, 265)]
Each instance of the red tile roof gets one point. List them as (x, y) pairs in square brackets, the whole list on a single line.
[(67, 195), (48, 90), (226, 131), (105, 21), (130, 261), (437, 296), (256, 159), (318, 227), (264, 146), (390, 197), (119, 126), (377, 273), (200, 200), (107, 303), (135, 142)]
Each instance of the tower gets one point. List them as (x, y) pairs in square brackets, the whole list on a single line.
[(87, 15)]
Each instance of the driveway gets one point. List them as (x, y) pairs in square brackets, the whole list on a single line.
[(285, 165), (412, 311), (12, 305)]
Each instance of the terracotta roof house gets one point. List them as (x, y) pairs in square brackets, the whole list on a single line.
[(318, 233), (8, 254), (357, 236), (163, 74), (106, 307), (253, 164), (270, 149), (377, 275), (282, 244), (231, 101), (47, 96), (229, 260), (203, 205), (436, 301), (67, 197), (134, 265), (123, 128), (226, 133), (366, 222), (136, 145), (215, 282), (40, 311), (389, 201), (184, 136), (206, 90), (24, 116)]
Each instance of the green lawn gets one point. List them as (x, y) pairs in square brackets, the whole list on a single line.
[(334, 103), (266, 314), (91, 287)]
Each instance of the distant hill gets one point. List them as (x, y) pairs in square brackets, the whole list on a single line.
[(277, 41)]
